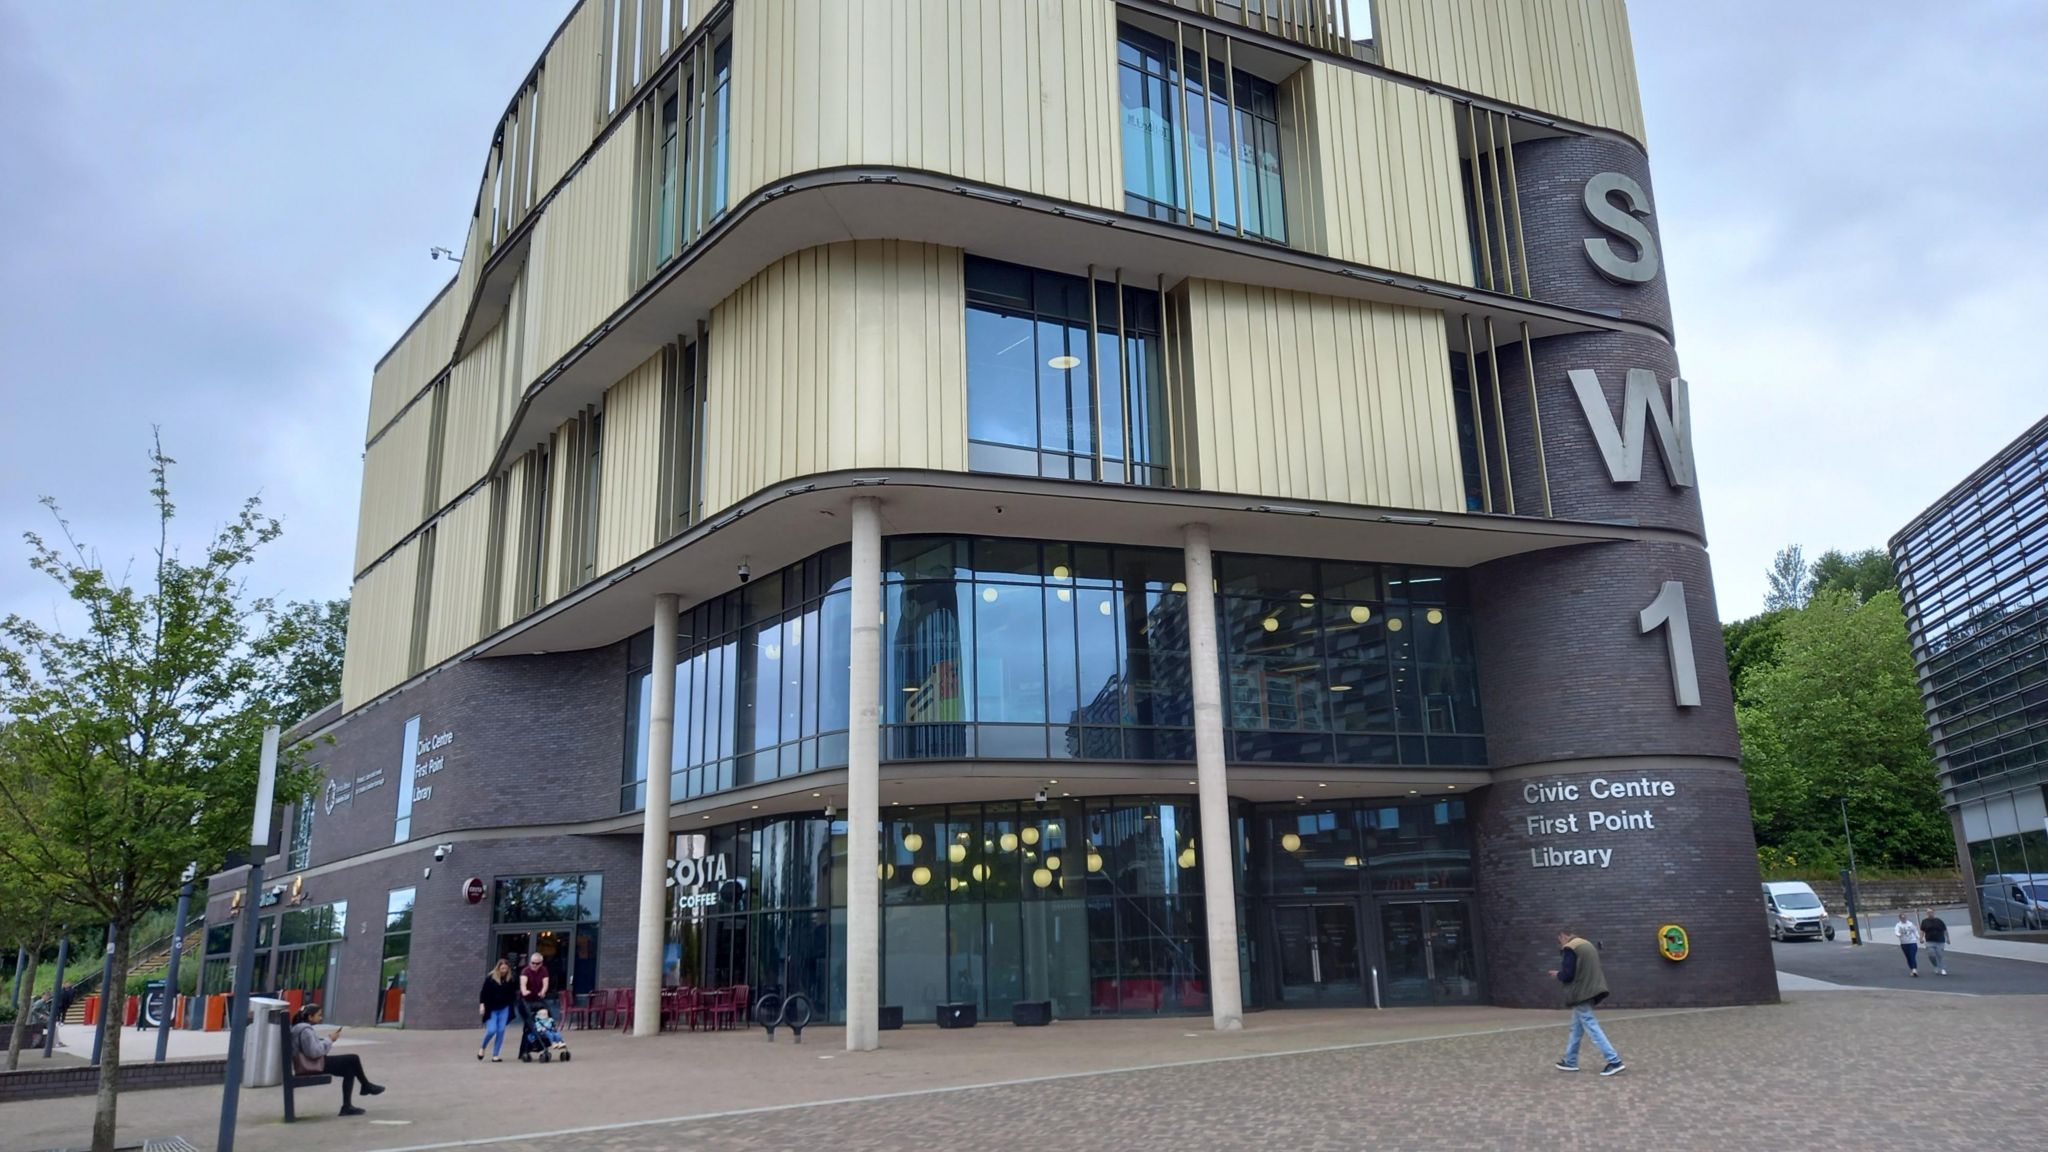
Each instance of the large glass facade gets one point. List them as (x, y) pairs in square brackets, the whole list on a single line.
[(308, 951), (761, 683), (1094, 904), (1025, 649), (393, 974), (1042, 399), (1973, 574), (556, 916), (1232, 173)]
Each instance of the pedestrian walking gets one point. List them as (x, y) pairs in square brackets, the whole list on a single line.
[(311, 1057), (535, 982), (1909, 942), (1578, 969), (1934, 933), (496, 1003)]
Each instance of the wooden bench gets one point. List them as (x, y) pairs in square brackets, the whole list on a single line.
[(290, 1079)]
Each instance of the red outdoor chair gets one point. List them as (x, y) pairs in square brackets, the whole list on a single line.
[(622, 1005), (717, 1010), (579, 1011)]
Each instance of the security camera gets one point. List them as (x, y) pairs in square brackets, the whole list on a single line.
[(746, 573), (440, 853), (1041, 797), (830, 812)]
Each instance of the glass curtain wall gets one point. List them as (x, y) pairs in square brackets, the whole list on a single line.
[(1045, 400), (1021, 649), (761, 683), (687, 151), (217, 968), (1093, 905), (1233, 169), (392, 975), (308, 950)]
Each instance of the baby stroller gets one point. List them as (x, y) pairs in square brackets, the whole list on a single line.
[(532, 1043)]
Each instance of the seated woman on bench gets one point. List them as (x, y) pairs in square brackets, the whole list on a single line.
[(310, 1057)]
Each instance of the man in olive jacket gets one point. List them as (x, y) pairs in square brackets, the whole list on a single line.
[(1578, 970)]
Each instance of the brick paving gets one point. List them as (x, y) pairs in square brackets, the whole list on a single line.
[(1825, 1070)]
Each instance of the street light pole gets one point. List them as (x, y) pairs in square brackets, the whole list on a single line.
[(57, 991), (99, 1034), (245, 950), (168, 1008)]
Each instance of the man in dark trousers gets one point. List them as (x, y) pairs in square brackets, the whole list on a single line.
[(1934, 934), (1578, 969)]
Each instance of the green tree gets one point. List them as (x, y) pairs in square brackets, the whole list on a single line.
[(301, 649), (133, 744), (1752, 644), (1861, 574), (1790, 585), (1837, 717)]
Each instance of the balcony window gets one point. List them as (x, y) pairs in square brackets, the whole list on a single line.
[(686, 147), (1046, 399), (1215, 154)]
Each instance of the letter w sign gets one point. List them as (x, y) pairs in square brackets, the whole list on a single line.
[(1622, 446)]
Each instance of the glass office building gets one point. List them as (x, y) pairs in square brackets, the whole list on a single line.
[(1973, 572)]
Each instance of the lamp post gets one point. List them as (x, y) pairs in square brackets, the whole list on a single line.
[(99, 1033), (1849, 877), (169, 1008), (57, 991), (245, 949)]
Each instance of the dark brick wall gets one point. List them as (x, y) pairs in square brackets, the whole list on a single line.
[(537, 740), (452, 945), (50, 1083), (1552, 175), (1696, 869), (1581, 488), (1565, 673)]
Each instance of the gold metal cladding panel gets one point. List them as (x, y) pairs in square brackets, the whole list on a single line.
[(582, 247), (453, 616), (631, 489), (1311, 397), (475, 417), (1379, 173), (511, 556), (844, 356), (1571, 58), (379, 627), (394, 484), (416, 359), (565, 469), (568, 96), (1017, 94)]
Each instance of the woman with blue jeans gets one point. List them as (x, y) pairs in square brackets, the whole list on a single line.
[(496, 1003)]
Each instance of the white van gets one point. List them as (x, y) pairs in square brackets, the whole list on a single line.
[(1793, 911)]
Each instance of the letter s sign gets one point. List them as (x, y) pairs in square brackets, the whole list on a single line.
[(1622, 220)]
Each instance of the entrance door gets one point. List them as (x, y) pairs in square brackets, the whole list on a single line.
[(1429, 953), (553, 944), (1317, 947)]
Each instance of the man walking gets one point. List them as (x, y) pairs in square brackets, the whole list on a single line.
[(1934, 933), (1578, 970)]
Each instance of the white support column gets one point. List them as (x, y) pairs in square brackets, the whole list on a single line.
[(863, 785), (654, 837), (1219, 883)]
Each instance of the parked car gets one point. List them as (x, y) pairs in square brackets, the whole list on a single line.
[(1793, 911), (2014, 900)]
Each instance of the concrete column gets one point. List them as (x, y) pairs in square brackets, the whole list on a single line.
[(1219, 883), (654, 836), (863, 785)]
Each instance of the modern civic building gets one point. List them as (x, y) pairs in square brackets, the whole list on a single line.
[(1973, 572), (1150, 507)]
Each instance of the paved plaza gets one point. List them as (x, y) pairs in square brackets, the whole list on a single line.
[(1816, 1071)]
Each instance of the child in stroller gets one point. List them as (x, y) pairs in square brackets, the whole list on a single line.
[(542, 1037)]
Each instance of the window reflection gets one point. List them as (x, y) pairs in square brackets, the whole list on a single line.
[(1234, 164), (1041, 401)]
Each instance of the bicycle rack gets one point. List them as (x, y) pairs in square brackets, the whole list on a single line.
[(775, 1011)]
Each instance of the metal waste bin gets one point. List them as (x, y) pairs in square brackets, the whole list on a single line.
[(263, 1053)]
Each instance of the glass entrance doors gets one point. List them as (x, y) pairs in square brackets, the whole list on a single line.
[(1429, 952), (553, 944), (1318, 952)]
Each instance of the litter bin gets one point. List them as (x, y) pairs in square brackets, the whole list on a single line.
[(263, 1053)]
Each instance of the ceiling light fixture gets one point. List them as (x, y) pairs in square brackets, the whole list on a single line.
[(1064, 362)]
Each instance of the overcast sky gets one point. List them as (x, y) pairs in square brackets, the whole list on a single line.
[(218, 217)]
